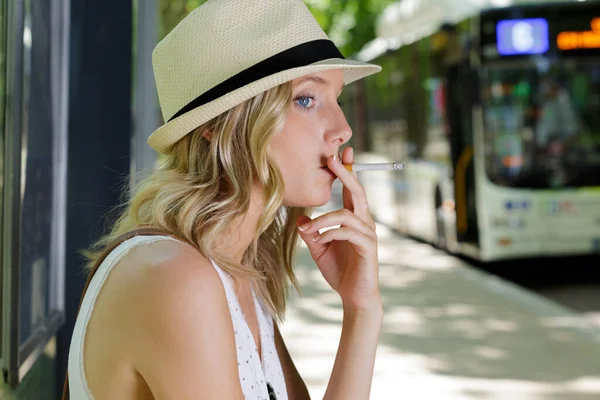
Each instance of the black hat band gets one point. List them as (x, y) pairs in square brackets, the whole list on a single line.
[(297, 56)]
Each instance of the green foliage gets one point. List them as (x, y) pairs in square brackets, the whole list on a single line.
[(349, 23), (173, 11)]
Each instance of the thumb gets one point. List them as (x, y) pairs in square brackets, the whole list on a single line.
[(314, 248)]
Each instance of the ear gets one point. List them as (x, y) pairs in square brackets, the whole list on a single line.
[(208, 135)]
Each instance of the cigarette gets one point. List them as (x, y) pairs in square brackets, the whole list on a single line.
[(396, 166)]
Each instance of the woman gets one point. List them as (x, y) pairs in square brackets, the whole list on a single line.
[(190, 308)]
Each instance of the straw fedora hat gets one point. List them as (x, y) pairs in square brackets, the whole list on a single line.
[(227, 51)]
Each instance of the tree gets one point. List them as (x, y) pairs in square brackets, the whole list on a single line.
[(173, 11), (349, 23)]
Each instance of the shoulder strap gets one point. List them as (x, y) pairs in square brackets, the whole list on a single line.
[(103, 255)]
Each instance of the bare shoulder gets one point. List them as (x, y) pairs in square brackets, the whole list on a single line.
[(168, 266), (157, 274), (174, 321), (172, 280)]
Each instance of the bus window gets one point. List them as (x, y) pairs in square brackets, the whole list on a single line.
[(542, 128)]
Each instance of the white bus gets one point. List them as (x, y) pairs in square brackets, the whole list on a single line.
[(496, 113)]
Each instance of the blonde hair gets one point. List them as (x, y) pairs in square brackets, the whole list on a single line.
[(205, 185)]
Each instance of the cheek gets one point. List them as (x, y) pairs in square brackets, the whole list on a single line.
[(292, 164), (291, 147), (280, 151)]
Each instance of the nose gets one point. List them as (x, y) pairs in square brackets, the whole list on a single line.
[(339, 131)]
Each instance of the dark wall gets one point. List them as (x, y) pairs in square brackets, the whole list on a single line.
[(99, 136)]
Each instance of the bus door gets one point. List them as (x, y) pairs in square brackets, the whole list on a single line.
[(462, 86)]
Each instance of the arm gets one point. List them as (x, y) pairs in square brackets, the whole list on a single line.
[(181, 340), (353, 368), (296, 387), (347, 258), (355, 359)]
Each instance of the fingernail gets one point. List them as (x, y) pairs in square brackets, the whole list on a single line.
[(316, 238), (304, 227), (335, 157), (352, 151)]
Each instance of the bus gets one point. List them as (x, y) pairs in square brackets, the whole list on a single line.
[(495, 112)]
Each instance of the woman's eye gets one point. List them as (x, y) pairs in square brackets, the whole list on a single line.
[(304, 101)]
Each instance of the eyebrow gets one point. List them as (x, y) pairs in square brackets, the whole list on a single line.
[(319, 80)]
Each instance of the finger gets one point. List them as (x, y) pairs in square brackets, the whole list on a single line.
[(340, 217), (348, 155), (350, 182), (365, 245), (315, 249), (347, 158)]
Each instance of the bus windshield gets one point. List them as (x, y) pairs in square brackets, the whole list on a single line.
[(542, 124)]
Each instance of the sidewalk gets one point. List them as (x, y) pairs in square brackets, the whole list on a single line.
[(449, 332)]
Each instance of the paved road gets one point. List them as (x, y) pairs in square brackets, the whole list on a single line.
[(583, 298)]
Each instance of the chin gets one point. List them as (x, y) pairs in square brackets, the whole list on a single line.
[(309, 200)]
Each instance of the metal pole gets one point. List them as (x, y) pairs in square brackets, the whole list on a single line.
[(60, 107), (145, 119)]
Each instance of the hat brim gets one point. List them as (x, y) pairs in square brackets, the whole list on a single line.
[(163, 139)]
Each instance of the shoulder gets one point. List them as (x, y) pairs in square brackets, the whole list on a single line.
[(175, 310), (165, 276), (157, 282), (158, 264)]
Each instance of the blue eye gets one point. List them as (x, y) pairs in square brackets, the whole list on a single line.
[(305, 101)]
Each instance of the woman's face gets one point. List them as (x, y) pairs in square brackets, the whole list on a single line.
[(314, 130)]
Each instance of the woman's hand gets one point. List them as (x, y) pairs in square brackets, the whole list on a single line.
[(346, 256)]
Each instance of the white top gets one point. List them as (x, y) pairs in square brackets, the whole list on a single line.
[(253, 376)]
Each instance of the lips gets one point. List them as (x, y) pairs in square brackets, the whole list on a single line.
[(327, 158)]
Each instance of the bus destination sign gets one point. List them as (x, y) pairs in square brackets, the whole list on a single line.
[(527, 31), (522, 36)]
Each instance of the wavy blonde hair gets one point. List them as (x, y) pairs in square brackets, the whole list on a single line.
[(205, 185)]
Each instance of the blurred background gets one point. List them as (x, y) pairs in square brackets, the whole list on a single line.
[(489, 238)]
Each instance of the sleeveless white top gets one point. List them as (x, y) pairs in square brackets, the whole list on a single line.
[(254, 376)]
